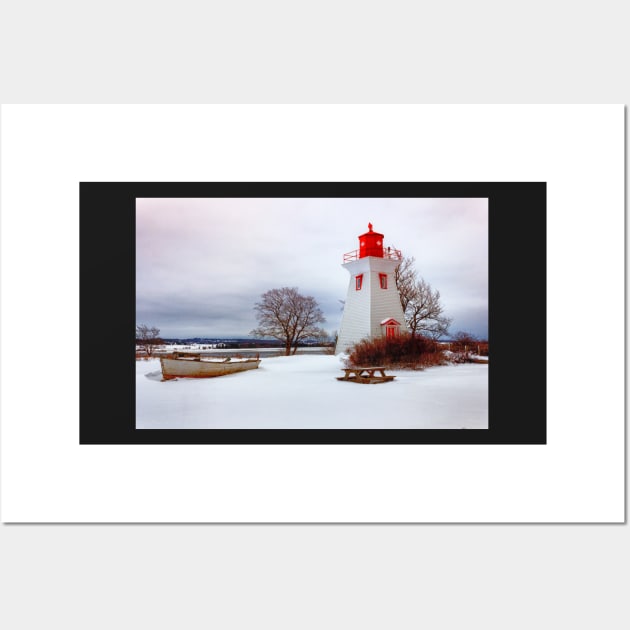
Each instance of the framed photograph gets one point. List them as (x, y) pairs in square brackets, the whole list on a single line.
[(187, 218), (223, 272)]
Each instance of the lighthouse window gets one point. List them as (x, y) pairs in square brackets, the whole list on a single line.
[(383, 278), (359, 282)]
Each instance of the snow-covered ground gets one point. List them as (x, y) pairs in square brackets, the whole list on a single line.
[(301, 392)]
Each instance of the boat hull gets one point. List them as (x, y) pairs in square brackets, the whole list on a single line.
[(185, 368)]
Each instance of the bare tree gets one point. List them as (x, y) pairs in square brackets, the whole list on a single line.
[(405, 277), (424, 313), (148, 337), (421, 305), (287, 315)]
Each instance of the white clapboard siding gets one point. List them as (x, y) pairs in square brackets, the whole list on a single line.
[(364, 310)]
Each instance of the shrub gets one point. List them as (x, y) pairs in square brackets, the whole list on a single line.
[(465, 345), (402, 351), (463, 342), (482, 348)]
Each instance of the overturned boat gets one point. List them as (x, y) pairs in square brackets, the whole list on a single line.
[(194, 365)]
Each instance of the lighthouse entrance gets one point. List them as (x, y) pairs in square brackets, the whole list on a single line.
[(391, 327)]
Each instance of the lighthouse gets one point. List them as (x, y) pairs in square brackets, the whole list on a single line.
[(372, 307)]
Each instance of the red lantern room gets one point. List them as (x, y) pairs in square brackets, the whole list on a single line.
[(371, 243)]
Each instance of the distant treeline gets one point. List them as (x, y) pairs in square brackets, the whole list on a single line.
[(244, 343)]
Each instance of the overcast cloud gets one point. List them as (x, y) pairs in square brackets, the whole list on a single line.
[(201, 264)]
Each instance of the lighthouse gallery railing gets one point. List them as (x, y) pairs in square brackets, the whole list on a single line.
[(388, 252)]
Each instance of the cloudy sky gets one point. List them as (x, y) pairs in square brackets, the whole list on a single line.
[(202, 264)]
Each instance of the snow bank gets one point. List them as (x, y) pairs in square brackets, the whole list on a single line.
[(301, 392)]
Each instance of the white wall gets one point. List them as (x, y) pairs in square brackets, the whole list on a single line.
[(364, 310)]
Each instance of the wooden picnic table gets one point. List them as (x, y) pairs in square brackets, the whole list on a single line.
[(367, 374)]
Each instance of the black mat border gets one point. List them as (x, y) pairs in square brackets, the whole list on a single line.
[(517, 318)]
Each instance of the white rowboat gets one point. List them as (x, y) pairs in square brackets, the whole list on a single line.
[(193, 365)]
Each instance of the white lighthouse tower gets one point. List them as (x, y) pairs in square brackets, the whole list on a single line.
[(372, 306)]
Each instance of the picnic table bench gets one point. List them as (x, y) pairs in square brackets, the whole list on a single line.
[(365, 375)]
